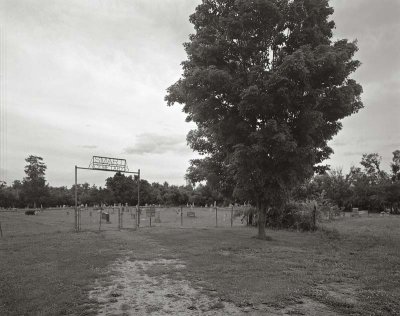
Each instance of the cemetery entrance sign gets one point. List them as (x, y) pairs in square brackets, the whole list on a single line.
[(103, 164), (108, 164)]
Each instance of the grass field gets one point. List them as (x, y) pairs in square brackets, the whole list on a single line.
[(349, 267), (62, 220)]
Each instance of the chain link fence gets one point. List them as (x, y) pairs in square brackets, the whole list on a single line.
[(193, 216), (17, 222)]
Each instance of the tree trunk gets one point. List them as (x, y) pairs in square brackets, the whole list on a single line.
[(261, 222)]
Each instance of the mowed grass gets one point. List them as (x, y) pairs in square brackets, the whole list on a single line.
[(351, 265), (48, 274), (16, 223)]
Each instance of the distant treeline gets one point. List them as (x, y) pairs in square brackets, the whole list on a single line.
[(118, 189), (365, 187), (33, 191)]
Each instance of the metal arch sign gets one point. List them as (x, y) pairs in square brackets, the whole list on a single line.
[(108, 164)]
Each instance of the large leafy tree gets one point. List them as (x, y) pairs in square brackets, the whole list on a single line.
[(34, 186), (267, 88)]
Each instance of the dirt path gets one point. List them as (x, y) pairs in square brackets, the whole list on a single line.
[(146, 287), (157, 287), (149, 280)]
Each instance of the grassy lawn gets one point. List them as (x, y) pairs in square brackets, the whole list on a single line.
[(48, 274), (351, 267)]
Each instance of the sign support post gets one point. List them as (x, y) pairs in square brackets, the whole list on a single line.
[(76, 199)]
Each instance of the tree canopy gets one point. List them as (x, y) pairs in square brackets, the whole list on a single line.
[(34, 184), (368, 188), (395, 166), (267, 88)]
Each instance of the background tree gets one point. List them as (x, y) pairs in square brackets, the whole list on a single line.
[(359, 184), (266, 88), (364, 187), (371, 164), (337, 187), (34, 186), (123, 188), (395, 166), (59, 196), (369, 191), (5, 195), (146, 195), (392, 190), (332, 186), (17, 192)]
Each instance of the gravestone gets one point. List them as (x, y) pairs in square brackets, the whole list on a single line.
[(151, 212), (106, 217), (158, 219)]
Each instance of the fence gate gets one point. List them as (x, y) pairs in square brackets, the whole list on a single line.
[(99, 163)]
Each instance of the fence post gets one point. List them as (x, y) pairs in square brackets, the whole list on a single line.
[(216, 216), (181, 216), (76, 199), (136, 224), (101, 212), (119, 217), (79, 218), (138, 215), (314, 216), (1, 231), (232, 216), (149, 210)]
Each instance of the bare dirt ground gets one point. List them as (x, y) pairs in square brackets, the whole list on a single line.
[(134, 291), (158, 287)]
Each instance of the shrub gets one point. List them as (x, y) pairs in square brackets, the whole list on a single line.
[(250, 215), (294, 215)]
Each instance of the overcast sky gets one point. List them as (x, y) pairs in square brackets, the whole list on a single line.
[(83, 78)]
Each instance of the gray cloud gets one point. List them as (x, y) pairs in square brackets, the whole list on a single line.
[(89, 146), (358, 154), (338, 143), (374, 24), (95, 72), (153, 143), (362, 16)]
